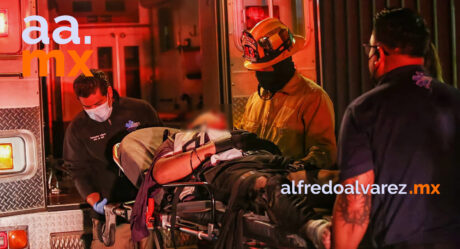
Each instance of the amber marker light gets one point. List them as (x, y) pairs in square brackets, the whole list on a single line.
[(6, 156)]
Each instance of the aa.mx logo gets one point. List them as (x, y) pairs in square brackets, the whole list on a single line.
[(58, 55)]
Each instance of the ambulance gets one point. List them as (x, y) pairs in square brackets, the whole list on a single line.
[(182, 56)]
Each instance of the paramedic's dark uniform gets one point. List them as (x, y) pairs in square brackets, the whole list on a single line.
[(88, 149), (407, 130)]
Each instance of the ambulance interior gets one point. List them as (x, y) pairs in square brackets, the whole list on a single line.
[(169, 53)]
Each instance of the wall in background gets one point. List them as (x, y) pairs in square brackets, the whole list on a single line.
[(346, 24)]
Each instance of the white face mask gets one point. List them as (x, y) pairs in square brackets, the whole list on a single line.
[(100, 113)]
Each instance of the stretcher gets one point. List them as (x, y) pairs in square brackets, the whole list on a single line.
[(200, 217)]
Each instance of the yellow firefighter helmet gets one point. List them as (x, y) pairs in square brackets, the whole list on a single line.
[(269, 42)]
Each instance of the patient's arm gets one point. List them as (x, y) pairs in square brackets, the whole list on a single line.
[(324, 176), (176, 167)]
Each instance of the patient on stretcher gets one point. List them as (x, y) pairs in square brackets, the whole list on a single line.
[(245, 172)]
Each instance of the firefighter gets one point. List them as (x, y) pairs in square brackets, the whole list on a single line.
[(288, 109), (106, 118)]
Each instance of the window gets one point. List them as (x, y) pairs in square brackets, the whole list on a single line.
[(115, 5), (132, 73), (104, 61), (82, 6), (165, 24)]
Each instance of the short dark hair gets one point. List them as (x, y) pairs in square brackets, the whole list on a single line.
[(86, 85), (404, 29)]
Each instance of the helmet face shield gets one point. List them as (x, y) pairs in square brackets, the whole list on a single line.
[(270, 46)]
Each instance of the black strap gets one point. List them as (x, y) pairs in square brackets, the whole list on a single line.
[(227, 232), (195, 138), (235, 188), (262, 95), (165, 134), (173, 213)]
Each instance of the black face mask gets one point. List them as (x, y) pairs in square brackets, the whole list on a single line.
[(275, 80)]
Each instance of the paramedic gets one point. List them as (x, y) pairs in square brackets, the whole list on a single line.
[(404, 131), (288, 109), (106, 118)]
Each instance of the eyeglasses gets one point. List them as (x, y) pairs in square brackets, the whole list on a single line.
[(367, 48)]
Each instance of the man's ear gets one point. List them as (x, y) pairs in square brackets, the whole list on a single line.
[(381, 57), (396, 51)]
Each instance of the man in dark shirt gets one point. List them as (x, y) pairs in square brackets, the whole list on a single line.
[(404, 131), (106, 118)]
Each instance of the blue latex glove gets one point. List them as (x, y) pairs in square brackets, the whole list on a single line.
[(99, 206)]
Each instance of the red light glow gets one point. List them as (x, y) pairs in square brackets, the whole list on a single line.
[(255, 14), (3, 240), (3, 22), (17, 239)]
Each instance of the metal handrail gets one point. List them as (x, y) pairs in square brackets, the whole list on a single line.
[(206, 186), (5, 75)]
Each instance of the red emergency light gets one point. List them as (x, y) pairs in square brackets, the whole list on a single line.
[(3, 240), (17, 239), (13, 239), (3, 22), (255, 14)]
